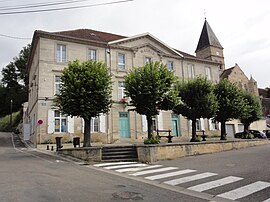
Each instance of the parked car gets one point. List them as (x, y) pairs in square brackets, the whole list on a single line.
[(255, 133), (267, 133)]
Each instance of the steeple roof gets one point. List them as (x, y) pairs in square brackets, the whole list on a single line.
[(207, 38)]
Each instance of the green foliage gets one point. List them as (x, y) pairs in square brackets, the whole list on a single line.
[(14, 83), (5, 122), (230, 103), (85, 92), (150, 90), (152, 140), (197, 100), (251, 111)]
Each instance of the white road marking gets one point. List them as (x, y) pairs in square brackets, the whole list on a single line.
[(126, 166), (215, 183), (190, 178), (113, 163), (267, 200), (245, 190), (153, 171), (136, 169), (180, 172)]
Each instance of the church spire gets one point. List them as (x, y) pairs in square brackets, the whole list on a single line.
[(209, 47), (207, 38)]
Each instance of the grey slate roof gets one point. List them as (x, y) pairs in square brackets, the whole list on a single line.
[(207, 38)]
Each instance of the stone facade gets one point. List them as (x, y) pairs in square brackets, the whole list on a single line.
[(45, 68)]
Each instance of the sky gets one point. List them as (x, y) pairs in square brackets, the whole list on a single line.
[(242, 27)]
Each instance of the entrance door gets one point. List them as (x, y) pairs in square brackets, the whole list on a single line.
[(124, 125), (175, 125)]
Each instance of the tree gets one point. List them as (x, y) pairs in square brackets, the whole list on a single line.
[(85, 92), (197, 101), (15, 82), (230, 104), (149, 88), (251, 112)]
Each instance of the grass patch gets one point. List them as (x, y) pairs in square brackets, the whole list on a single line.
[(5, 125)]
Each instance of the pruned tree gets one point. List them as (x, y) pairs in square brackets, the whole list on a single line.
[(252, 110), (85, 92), (197, 101), (150, 90), (230, 104)]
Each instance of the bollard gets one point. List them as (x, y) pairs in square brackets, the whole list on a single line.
[(52, 148), (48, 148)]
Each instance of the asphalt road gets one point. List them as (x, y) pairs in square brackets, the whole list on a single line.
[(26, 175), (241, 175)]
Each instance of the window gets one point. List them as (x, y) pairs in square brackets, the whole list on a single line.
[(191, 73), (208, 73), (213, 125), (92, 54), (61, 53), (170, 65), (95, 124), (121, 61), (57, 83), (198, 125), (60, 122), (121, 90), (147, 60), (154, 122)]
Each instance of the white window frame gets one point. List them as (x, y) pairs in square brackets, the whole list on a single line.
[(57, 85), (121, 90), (190, 71), (213, 125), (147, 60), (61, 53), (208, 73), (170, 65), (121, 61), (92, 54), (61, 119), (95, 124)]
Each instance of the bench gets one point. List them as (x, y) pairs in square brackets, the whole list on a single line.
[(203, 135), (169, 137)]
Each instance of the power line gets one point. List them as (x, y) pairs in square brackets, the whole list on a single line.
[(39, 5), (14, 37), (63, 8)]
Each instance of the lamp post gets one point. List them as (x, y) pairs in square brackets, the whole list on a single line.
[(11, 101)]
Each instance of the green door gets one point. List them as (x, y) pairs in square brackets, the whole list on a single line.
[(175, 125), (124, 125)]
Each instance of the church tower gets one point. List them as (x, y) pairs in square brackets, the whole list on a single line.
[(209, 47)]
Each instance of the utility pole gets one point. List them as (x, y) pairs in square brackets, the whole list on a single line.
[(11, 101)]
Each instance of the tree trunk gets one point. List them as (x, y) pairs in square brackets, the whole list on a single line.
[(87, 133), (193, 129), (149, 126), (223, 131), (246, 126)]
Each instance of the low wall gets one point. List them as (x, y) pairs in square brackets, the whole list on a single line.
[(84, 153), (166, 151), (152, 153)]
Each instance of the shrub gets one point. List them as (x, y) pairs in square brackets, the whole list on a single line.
[(152, 140)]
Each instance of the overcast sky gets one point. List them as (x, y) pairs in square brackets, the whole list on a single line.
[(242, 26)]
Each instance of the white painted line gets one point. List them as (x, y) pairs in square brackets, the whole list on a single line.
[(267, 200), (189, 178), (215, 183), (113, 163), (245, 190), (180, 172), (153, 171), (136, 169), (126, 166)]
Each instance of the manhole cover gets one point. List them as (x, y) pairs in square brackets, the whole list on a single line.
[(132, 196)]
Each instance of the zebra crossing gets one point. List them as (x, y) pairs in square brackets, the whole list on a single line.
[(175, 176)]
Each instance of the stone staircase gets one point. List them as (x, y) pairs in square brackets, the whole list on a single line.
[(119, 153)]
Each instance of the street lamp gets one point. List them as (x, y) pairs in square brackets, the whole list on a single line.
[(11, 101)]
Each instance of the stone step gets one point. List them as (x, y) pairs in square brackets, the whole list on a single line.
[(124, 153)]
